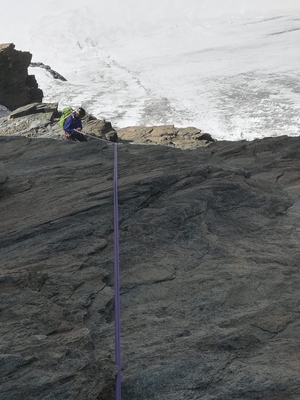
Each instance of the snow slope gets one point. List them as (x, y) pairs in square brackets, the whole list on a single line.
[(228, 67)]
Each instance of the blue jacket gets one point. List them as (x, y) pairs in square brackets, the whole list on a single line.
[(71, 123)]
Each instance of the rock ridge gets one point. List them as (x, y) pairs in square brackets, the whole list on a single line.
[(40, 120)]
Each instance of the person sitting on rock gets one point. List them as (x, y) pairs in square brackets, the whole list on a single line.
[(74, 122)]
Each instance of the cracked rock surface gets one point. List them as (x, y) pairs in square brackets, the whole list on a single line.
[(209, 265)]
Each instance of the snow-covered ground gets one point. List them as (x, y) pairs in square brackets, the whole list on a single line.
[(227, 67)]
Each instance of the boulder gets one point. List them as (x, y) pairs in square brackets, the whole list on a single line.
[(17, 88), (35, 108), (4, 111), (32, 120), (99, 128)]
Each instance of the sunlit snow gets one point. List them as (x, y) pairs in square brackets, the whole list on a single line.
[(228, 67)]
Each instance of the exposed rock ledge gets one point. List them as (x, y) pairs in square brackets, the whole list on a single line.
[(209, 258), (40, 121), (184, 138)]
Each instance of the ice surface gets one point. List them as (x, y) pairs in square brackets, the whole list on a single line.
[(229, 68)]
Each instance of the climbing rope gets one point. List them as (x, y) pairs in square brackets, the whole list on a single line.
[(116, 270)]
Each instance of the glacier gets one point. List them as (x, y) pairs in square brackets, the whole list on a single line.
[(229, 69)]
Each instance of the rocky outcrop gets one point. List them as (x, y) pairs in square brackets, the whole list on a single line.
[(40, 120), (51, 71), (99, 128), (184, 138), (209, 264), (33, 120), (17, 88)]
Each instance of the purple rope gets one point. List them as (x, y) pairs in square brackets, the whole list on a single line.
[(117, 271), (117, 279)]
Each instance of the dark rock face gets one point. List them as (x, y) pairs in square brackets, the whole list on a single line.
[(17, 88), (209, 264)]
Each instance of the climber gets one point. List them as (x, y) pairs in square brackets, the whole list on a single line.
[(74, 122)]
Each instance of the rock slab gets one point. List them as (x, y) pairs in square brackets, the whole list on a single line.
[(209, 270)]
